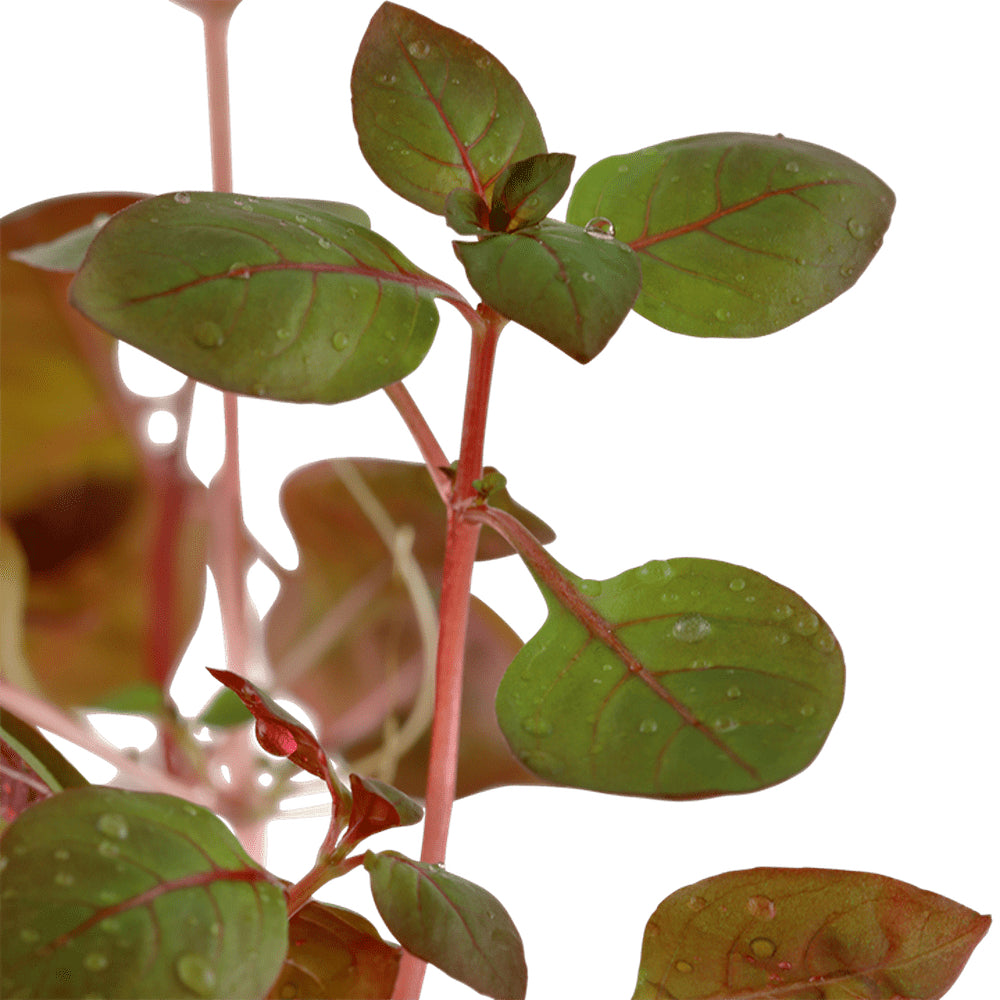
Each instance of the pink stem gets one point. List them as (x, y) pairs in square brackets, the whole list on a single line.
[(460, 553)]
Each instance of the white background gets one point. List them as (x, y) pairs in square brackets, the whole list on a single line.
[(850, 457)]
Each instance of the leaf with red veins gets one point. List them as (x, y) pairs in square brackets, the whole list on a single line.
[(738, 235), (434, 111)]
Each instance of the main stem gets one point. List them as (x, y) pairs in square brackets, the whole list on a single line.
[(460, 552)]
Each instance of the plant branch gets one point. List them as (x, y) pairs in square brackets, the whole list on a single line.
[(432, 452), (460, 553)]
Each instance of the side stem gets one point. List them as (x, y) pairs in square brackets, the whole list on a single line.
[(460, 552)]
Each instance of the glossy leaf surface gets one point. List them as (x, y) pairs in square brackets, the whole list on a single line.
[(682, 679), (131, 894), (377, 806), (738, 235), (450, 922), (282, 299), (570, 286), (434, 111), (88, 516), (805, 934), (342, 635), (333, 952), (528, 190)]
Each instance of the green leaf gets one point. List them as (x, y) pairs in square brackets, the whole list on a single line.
[(678, 679), (450, 922), (570, 286), (805, 932), (283, 299), (64, 253), (140, 698), (35, 751), (434, 111), (225, 709), (528, 190), (333, 952), (738, 235), (130, 894)]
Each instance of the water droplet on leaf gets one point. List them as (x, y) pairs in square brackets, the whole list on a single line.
[(64, 879), (592, 588), (239, 270), (647, 726), (600, 228), (733, 692), (857, 229), (725, 724), (681, 966), (419, 49), (275, 738), (807, 710), (61, 855), (107, 849), (324, 243), (792, 167), (697, 903), (737, 584), (761, 906), (341, 341), (113, 825), (762, 947), (483, 61), (806, 624), (691, 628), (95, 961), (587, 276), (182, 198), (722, 314), (536, 726), (208, 334), (195, 972), (283, 333), (846, 272)]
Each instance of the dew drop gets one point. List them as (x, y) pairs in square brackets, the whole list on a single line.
[(592, 588), (95, 962), (195, 972), (608, 667), (733, 692), (109, 925), (588, 277), (825, 641), (762, 947), (190, 810), (697, 903), (806, 624), (782, 612), (301, 219), (341, 341), (182, 198), (324, 243), (386, 78), (792, 167), (780, 638), (761, 906), (846, 271), (275, 738), (535, 726), (208, 334), (419, 49), (61, 855), (64, 879), (737, 584), (725, 724), (722, 314), (239, 270), (282, 333), (681, 966), (107, 849), (857, 229), (113, 825), (600, 228), (807, 710), (691, 628), (543, 763), (647, 726), (741, 277), (483, 61)]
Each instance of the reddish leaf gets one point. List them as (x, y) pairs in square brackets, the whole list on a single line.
[(277, 731), (333, 952), (376, 806), (805, 934)]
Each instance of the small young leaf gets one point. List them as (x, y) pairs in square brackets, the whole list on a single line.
[(528, 190), (333, 952), (282, 299), (805, 932), (738, 235), (376, 806), (466, 213), (138, 698), (560, 281), (434, 111), (278, 732), (451, 923), (681, 679), (129, 894)]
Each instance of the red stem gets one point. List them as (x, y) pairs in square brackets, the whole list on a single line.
[(460, 553)]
